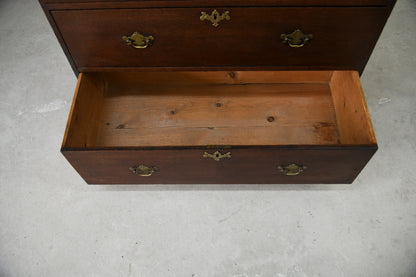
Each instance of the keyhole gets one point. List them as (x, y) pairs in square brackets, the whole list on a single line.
[(217, 155), (215, 17)]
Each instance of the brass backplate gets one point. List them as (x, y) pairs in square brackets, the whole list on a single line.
[(296, 39), (143, 170), (291, 169), (138, 40)]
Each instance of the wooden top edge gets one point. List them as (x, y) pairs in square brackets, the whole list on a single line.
[(230, 3), (373, 147)]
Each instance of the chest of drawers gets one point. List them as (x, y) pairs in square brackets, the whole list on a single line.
[(220, 92)]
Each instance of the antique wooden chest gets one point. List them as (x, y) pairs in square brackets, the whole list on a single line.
[(193, 91)]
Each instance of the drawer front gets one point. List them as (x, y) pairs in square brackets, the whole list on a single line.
[(240, 166), (342, 37)]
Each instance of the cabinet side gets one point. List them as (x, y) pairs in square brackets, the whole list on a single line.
[(47, 11)]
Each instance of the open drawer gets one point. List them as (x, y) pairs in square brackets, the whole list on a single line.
[(219, 127)]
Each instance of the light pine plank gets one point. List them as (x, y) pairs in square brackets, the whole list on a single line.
[(85, 114), (352, 114), (216, 108), (255, 114)]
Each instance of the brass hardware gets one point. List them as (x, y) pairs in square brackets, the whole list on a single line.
[(217, 155), (215, 17), (292, 169), (138, 40), (296, 39), (143, 170)]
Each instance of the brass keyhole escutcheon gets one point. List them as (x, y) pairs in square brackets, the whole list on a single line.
[(215, 17), (217, 155), (291, 169)]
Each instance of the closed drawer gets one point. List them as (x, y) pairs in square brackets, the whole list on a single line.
[(324, 165), (219, 127), (343, 37)]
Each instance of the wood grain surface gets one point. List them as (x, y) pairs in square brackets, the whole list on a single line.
[(326, 165), (351, 109), (251, 114), (343, 37), (218, 108), (77, 4)]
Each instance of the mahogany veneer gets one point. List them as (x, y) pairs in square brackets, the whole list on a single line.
[(250, 39)]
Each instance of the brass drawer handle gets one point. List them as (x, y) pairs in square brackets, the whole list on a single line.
[(143, 170), (138, 40), (215, 17), (217, 155), (291, 169), (296, 39)]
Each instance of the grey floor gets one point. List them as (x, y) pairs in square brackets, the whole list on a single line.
[(53, 224)]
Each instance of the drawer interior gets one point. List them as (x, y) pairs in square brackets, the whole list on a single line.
[(201, 108)]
